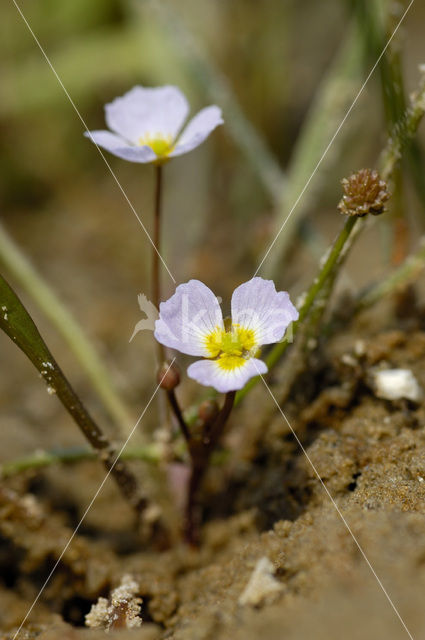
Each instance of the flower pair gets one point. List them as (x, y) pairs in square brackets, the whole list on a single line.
[(146, 126)]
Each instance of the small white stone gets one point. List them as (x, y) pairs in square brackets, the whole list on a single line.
[(262, 583), (348, 360), (393, 384)]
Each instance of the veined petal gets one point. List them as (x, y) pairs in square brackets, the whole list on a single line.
[(142, 111), (211, 374), (198, 129), (119, 147), (256, 305), (188, 318)]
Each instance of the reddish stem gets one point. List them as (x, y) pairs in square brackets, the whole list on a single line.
[(200, 453)]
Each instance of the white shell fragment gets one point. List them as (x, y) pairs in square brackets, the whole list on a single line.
[(393, 384), (262, 583)]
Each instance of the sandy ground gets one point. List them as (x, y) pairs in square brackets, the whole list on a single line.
[(266, 503)]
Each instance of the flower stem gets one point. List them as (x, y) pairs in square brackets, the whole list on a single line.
[(156, 296), (156, 275), (16, 322), (156, 291), (200, 453), (172, 399)]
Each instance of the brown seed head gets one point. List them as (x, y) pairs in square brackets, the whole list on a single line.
[(168, 377), (364, 192)]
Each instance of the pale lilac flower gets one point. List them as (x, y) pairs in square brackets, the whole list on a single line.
[(146, 125), (191, 322)]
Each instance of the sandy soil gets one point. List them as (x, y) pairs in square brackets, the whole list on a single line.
[(266, 503)]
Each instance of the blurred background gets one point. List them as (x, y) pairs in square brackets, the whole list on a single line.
[(284, 72)]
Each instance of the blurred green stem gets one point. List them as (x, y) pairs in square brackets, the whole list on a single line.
[(399, 279), (46, 300), (149, 453), (152, 454), (404, 129), (377, 22), (310, 157)]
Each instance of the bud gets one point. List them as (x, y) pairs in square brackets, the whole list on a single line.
[(168, 377), (364, 192), (208, 410)]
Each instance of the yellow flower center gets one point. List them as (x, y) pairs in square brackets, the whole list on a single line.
[(161, 145), (231, 348)]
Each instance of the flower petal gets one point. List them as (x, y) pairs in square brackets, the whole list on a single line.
[(146, 111), (258, 306), (210, 374), (188, 318), (198, 129), (119, 147)]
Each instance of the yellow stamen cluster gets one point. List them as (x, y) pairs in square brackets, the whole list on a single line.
[(160, 144), (231, 348)]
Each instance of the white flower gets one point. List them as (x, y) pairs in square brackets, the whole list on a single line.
[(147, 125), (191, 322)]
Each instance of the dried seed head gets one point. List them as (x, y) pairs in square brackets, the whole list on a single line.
[(364, 192), (168, 377)]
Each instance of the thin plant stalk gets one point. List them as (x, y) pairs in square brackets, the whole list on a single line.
[(156, 290), (16, 322), (200, 453), (375, 33), (172, 399), (156, 271), (47, 301)]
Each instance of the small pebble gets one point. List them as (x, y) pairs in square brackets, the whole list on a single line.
[(262, 583), (394, 384)]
